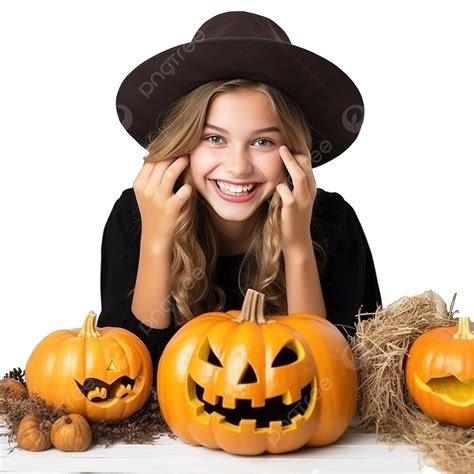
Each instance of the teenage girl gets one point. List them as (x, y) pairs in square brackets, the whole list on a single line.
[(226, 198)]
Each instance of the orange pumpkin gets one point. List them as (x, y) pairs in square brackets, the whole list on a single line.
[(34, 433), (248, 384), (71, 433), (102, 374), (439, 373)]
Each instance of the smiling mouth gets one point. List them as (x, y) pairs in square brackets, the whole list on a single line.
[(220, 192), (96, 390), (451, 389), (273, 410)]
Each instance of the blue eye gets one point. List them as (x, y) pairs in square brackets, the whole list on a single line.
[(212, 136), (265, 140), (219, 137)]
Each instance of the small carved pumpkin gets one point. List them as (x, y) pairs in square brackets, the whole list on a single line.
[(34, 433), (439, 373), (102, 374), (71, 433), (248, 384)]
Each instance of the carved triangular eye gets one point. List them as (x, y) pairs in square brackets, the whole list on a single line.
[(208, 355), (285, 356), (212, 358), (112, 366), (249, 375)]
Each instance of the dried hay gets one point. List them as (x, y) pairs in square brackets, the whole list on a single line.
[(384, 406), (143, 427)]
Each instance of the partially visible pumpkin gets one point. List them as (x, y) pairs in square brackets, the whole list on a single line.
[(71, 433), (247, 383), (100, 373), (439, 373), (34, 433), (11, 389)]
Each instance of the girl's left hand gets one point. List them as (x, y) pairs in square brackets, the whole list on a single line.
[(295, 219)]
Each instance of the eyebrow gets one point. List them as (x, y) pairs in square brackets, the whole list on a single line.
[(261, 130)]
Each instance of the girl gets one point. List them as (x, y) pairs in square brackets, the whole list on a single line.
[(226, 199)]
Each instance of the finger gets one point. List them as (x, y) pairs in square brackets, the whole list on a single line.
[(172, 173), (145, 172), (183, 193), (298, 175), (165, 174), (305, 163), (304, 160), (147, 169), (286, 195)]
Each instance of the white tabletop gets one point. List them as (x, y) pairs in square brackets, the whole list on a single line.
[(351, 453)]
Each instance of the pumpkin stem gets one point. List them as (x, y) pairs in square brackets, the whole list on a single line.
[(45, 426), (464, 329), (252, 308), (89, 326)]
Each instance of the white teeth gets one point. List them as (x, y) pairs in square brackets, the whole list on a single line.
[(97, 393), (123, 391), (235, 189)]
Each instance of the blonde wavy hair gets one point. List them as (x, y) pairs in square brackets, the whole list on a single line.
[(196, 245)]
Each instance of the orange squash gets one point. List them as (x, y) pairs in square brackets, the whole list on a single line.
[(34, 433), (247, 384), (71, 433), (439, 373), (100, 373)]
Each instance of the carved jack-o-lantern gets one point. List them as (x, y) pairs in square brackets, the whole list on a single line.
[(439, 373), (100, 373), (248, 384)]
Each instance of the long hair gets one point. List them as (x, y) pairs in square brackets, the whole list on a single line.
[(195, 248)]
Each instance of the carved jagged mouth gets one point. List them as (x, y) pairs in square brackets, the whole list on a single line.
[(273, 410), (453, 388), (97, 390)]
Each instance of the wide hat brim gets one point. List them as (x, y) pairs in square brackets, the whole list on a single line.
[(329, 99)]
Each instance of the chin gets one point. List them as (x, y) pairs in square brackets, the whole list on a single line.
[(233, 217)]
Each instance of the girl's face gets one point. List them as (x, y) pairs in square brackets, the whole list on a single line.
[(238, 151)]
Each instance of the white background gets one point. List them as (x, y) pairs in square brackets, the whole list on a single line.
[(66, 157)]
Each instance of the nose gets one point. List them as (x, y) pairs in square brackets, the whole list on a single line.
[(238, 163)]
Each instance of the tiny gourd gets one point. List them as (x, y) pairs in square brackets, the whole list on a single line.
[(34, 433), (71, 432)]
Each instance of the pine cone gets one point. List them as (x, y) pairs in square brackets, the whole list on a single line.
[(16, 374)]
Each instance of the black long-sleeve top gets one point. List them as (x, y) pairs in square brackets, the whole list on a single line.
[(348, 282)]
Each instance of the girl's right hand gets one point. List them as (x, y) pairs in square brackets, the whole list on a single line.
[(159, 207)]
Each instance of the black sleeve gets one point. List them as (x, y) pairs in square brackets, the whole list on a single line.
[(119, 264), (350, 282)]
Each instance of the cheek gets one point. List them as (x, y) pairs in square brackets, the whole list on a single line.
[(274, 169), (204, 153), (200, 164)]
